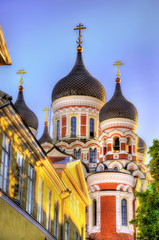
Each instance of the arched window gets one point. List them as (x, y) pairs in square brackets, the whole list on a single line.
[(56, 220), (73, 126), (128, 145), (58, 129), (116, 144), (124, 212), (94, 212), (91, 127), (77, 154), (116, 168), (93, 155)]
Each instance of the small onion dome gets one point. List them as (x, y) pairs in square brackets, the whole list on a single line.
[(26, 114), (118, 107), (141, 146), (45, 136), (79, 82)]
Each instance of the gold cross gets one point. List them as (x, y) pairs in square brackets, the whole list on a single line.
[(79, 27), (46, 110), (21, 71), (118, 63)]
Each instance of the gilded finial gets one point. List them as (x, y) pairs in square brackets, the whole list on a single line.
[(79, 27), (47, 109), (118, 71), (21, 71)]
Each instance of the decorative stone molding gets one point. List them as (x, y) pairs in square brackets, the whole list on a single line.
[(118, 122), (132, 165), (97, 228), (110, 177), (129, 197), (125, 188), (75, 101), (114, 164), (139, 174)]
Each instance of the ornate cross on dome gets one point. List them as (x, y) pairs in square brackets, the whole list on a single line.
[(79, 27), (21, 71), (46, 110), (118, 63)]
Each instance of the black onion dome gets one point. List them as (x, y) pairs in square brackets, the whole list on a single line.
[(118, 107), (45, 136), (141, 146), (79, 82), (26, 114)]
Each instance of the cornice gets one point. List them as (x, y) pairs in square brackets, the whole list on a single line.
[(110, 177), (77, 100)]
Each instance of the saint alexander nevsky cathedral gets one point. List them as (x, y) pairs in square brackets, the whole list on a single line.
[(102, 134)]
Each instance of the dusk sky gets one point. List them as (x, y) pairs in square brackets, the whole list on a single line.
[(40, 39)]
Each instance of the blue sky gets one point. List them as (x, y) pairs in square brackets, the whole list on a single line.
[(40, 39)]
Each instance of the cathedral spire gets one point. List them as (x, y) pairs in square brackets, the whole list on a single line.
[(79, 28)]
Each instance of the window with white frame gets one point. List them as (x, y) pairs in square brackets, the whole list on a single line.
[(19, 177), (5, 163), (77, 153), (116, 144), (48, 214), (58, 129), (93, 155), (94, 212), (73, 126), (66, 231), (91, 128), (40, 200), (30, 189), (124, 211)]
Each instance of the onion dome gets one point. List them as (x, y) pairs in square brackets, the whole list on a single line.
[(118, 107), (79, 81), (45, 136), (26, 114), (141, 146)]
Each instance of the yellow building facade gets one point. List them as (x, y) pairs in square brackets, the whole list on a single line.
[(37, 200)]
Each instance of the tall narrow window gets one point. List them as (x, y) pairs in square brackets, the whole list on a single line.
[(5, 164), (124, 212), (116, 144), (56, 219), (58, 129), (30, 189), (94, 213), (76, 235), (73, 126), (66, 231), (93, 155), (77, 154), (40, 200), (48, 215), (128, 145), (19, 177), (91, 127)]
